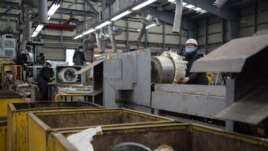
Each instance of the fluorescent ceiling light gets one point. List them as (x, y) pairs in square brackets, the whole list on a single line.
[(35, 34), (172, 1), (88, 31), (78, 36), (197, 9), (121, 15), (39, 27), (37, 30), (148, 2), (189, 6), (151, 25), (52, 10), (103, 24)]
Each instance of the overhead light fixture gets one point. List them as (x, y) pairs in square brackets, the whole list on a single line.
[(92, 29), (53, 8), (37, 30), (103, 24), (78, 36), (34, 34), (88, 31), (172, 1), (139, 6), (149, 26), (190, 6), (121, 15)]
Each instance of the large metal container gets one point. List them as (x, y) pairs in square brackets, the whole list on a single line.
[(181, 137), (18, 123), (41, 124), (7, 97), (3, 133)]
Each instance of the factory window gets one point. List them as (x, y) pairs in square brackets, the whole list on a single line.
[(69, 56)]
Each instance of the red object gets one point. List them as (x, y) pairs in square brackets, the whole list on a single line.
[(60, 26)]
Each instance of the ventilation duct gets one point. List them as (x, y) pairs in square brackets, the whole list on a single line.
[(178, 16), (43, 11), (98, 41), (141, 33), (112, 38)]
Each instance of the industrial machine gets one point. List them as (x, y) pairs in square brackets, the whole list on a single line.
[(128, 78), (7, 46), (128, 82), (246, 82), (90, 87), (66, 74)]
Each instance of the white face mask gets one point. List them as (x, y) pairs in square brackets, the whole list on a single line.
[(81, 50)]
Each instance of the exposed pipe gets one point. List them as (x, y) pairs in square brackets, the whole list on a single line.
[(112, 38), (140, 34), (43, 18), (178, 15), (113, 43), (98, 41), (220, 3), (27, 31)]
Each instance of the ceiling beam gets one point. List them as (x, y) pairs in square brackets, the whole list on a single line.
[(225, 12), (75, 12), (168, 17), (91, 7)]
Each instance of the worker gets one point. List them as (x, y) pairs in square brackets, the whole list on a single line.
[(79, 57), (44, 77), (22, 57), (191, 55)]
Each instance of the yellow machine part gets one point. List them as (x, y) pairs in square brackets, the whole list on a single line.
[(18, 123), (3, 134), (5, 101), (40, 129)]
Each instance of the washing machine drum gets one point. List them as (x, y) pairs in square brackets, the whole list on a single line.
[(67, 75)]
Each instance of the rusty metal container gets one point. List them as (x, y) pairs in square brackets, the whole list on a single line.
[(41, 124), (18, 123), (3, 133), (181, 137), (7, 97)]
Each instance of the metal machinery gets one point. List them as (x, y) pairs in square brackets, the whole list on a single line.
[(8, 46), (127, 83), (90, 87), (66, 74), (244, 62), (7, 51)]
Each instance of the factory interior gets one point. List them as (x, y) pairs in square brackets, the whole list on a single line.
[(133, 75)]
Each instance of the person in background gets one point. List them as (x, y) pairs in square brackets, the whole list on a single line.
[(79, 56), (22, 57), (44, 77), (191, 55)]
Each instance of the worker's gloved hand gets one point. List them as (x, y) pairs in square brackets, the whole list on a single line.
[(183, 80)]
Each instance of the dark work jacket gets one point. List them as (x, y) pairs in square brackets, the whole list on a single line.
[(197, 77), (43, 79), (45, 74), (79, 58)]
